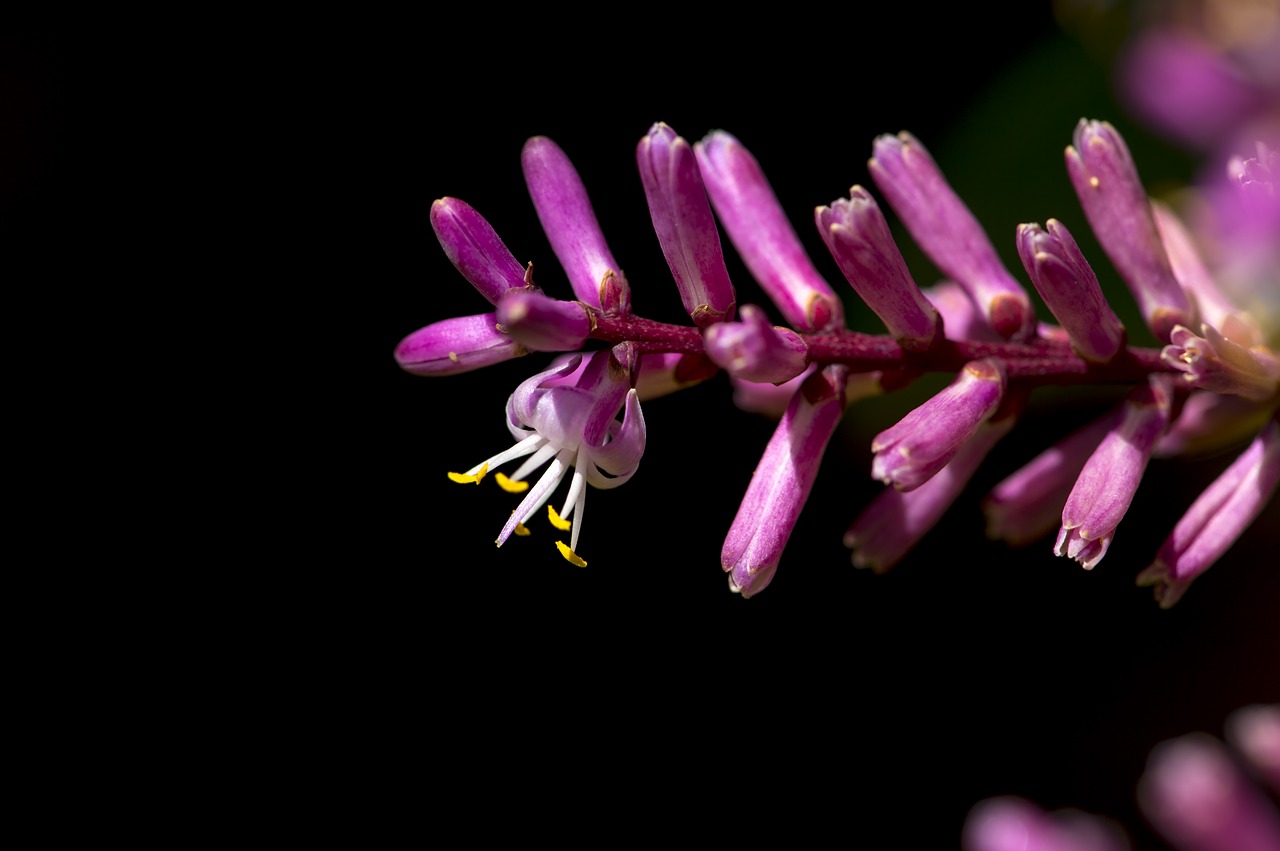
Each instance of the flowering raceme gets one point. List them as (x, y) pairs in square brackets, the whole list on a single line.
[(1212, 382)]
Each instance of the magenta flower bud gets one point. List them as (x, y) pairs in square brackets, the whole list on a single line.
[(475, 249), (685, 225), (1027, 505), (1070, 289), (1254, 731), (1217, 518), (895, 521), (1213, 362), (1107, 483), (782, 481), (457, 345), (909, 453), (1113, 198), (760, 231), (948, 233), (1013, 824), (856, 233), (571, 227), (1199, 800), (543, 324), (755, 350)]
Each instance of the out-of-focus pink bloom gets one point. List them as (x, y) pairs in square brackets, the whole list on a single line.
[(1106, 486), (1199, 799), (945, 229), (1254, 732), (1009, 823), (1217, 518), (759, 229), (1181, 84), (685, 225)]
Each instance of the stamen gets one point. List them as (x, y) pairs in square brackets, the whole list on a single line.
[(558, 521), (510, 485), (474, 476), (569, 555)]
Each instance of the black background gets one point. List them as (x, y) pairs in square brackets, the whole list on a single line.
[(638, 697), (835, 703)]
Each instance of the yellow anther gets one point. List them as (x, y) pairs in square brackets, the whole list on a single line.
[(466, 478), (569, 555), (522, 530), (559, 522), (510, 485)]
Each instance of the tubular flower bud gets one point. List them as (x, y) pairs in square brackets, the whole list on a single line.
[(457, 345), (685, 225), (1008, 823), (543, 324), (760, 231), (1116, 204), (1213, 362), (1027, 505), (566, 418), (895, 521), (1217, 518), (856, 233), (475, 249), (947, 232), (1199, 800), (755, 350), (1070, 289), (921, 443), (782, 481), (1107, 483), (570, 224)]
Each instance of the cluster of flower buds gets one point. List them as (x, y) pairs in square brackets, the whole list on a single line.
[(1214, 378), (1197, 792)]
